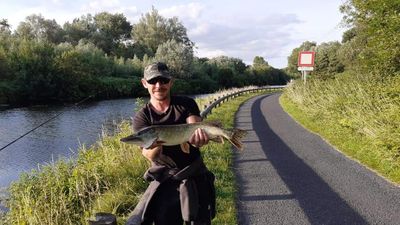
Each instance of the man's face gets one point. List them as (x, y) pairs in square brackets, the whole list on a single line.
[(158, 87)]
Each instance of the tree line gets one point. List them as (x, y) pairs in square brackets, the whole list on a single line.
[(104, 56)]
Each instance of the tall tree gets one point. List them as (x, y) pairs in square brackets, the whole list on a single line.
[(5, 33), (107, 31), (377, 25), (153, 30), (235, 64), (178, 56), (5, 26), (327, 61), (260, 63), (39, 28), (81, 28), (112, 29)]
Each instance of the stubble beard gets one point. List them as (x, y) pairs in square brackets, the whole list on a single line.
[(160, 94)]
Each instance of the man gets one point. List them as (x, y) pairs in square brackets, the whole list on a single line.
[(181, 188)]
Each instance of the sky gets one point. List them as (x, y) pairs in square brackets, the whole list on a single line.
[(236, 28)]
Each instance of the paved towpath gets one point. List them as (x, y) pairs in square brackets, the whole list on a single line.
[(287, 175)]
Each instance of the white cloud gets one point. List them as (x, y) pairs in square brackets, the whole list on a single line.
[(100, 5), (112, 6), (19, 16), (263, 36), (209, 53), (199, 30), (191, 11)]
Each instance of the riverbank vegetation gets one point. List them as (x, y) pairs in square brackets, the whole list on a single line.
[(107, 177), (103, 56), (353, 97)]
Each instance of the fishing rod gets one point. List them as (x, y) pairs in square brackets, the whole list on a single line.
[(52, 118)]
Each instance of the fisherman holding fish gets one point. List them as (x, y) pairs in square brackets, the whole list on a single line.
[(181, 188)]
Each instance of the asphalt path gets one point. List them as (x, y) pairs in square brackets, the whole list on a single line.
[(287, 175)]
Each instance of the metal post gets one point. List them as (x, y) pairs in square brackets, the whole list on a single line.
[(305, 76)]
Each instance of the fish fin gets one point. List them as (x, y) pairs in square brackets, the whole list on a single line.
[(218, 139), (150, 143), (185, 147), (235, 139)]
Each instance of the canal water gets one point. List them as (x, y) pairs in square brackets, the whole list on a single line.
[(60, 137)]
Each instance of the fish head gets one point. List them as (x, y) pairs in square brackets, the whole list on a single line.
[(132, 139), (145, 138)]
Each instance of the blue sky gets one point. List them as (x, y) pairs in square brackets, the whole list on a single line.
[(236, 28)]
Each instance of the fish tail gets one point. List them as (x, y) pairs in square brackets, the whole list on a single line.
[(235, 139)]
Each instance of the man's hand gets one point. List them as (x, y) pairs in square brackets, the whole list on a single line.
[(199, 138), (152, 153)]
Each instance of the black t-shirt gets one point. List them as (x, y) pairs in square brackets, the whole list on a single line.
[(180, 108)]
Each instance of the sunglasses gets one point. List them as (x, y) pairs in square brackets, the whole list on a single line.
[(162, 80)]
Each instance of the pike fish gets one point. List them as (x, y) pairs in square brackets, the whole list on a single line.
[(180, 134)]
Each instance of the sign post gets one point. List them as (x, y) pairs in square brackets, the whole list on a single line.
[(305, 63)]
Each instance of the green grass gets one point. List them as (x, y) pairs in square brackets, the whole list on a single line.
[(360, 116), (107, 177)]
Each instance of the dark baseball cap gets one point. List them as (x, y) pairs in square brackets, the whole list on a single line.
[(157, 69)]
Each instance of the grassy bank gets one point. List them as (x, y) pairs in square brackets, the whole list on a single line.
[(107, 177), (359, 115)]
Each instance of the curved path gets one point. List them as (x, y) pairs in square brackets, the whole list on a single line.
[(287, 175)]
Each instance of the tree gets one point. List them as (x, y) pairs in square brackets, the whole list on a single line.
[(37, 27), (4, 65), (107, 31), (327, 61), (259, 60), (33, 63), (81, 28), (235, 64), (349, 35), (177, 56), (5, 34), (111, 30), (153, 30), (259, 63), (5, 27), (377, 25)]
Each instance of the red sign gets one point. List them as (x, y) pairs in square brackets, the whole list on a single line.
[(306, 59)]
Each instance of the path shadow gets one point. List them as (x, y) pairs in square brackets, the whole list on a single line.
[(320, 203)]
